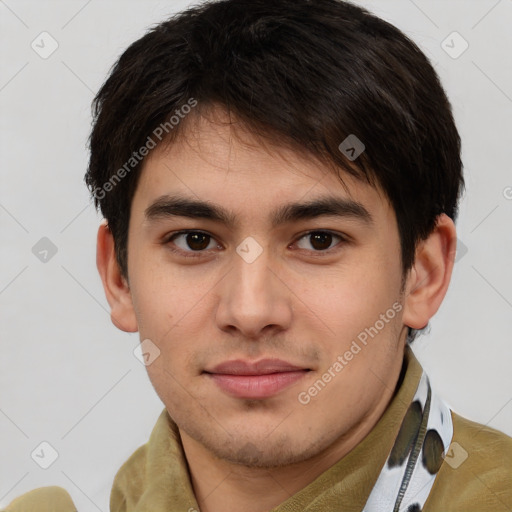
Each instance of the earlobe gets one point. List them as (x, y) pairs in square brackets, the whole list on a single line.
[(115, 285), (430, 276)]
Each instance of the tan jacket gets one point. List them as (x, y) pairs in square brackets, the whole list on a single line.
[(155, 478)]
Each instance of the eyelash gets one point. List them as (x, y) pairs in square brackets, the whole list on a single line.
[(198, 254)]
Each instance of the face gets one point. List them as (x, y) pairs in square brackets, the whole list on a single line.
[(279, 327)]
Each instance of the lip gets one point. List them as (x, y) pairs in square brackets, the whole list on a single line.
[(262, 367), (255, 380)]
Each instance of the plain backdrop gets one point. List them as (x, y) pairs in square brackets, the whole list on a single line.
[(67, 376)]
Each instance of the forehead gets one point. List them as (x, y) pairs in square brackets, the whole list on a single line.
[(216, 158)]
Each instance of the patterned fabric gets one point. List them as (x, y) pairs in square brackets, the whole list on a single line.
[(417, 454)]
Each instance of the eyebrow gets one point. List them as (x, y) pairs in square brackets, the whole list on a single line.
[(180, 206)]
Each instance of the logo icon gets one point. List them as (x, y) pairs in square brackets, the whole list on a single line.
[(351, 147), (44, 45), (44, 250), (462, 250), (146, 352), (249, 250), (454, 45), (44, 455), (455, 455)]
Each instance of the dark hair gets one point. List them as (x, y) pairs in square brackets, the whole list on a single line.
[(307, 73)]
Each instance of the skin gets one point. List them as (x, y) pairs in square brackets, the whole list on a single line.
[(295, 302)]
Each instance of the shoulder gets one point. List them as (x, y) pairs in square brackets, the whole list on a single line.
[(156, 475), (138, 473), (43, 499), (483, 442), (476, 474), (129, 481)]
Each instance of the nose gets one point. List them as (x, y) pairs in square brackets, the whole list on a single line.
[(254, 299)]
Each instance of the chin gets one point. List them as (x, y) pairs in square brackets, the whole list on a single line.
[(263, 450), (262, 455)]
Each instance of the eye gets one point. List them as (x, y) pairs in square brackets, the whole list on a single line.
[(191, 242), (319, 240)]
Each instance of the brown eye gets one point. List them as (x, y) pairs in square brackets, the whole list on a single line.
[(190, 242), (318, 240), (198, 241), (321, 241)]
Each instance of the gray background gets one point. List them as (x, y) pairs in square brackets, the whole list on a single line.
[(67, 376)]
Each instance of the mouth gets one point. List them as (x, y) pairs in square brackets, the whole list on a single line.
[(255, 380)]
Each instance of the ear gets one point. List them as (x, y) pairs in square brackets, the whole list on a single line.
[(430, 275), (115, 285)]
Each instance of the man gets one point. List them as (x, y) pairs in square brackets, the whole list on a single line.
[(280, 182)]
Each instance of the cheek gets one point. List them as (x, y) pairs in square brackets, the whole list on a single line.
[(363, 286), (172, 310), (164, 296), (362, 303)]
